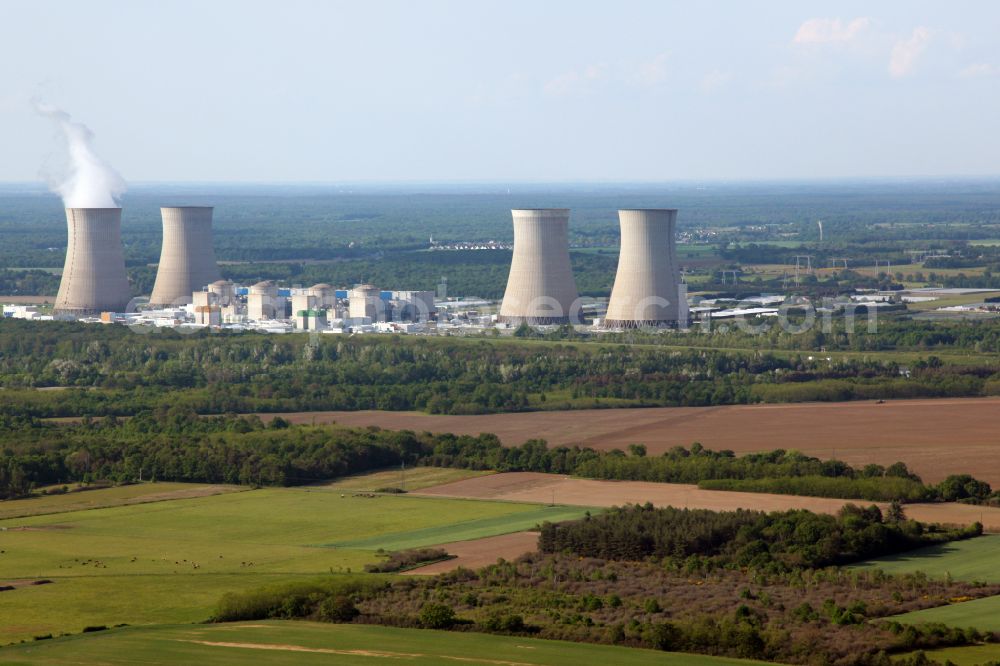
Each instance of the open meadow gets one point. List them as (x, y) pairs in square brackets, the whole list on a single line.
[(972, 560), (970, 655), (983, 614), (934, 438), (279, 643), (85, 498), (171, 561)]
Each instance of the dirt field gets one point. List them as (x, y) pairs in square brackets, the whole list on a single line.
[(536, 487), (480, 552), (934, 437), (28, 300)]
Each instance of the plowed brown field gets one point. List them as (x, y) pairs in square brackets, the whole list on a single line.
[(934, 437), (481, 552), (536, 487)]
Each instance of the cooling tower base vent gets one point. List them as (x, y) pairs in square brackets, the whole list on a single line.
[(532, 321)]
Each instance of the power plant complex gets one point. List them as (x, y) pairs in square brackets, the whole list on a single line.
[(540, 291), (187, 260), (93, 279)]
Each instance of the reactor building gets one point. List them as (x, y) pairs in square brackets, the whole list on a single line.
[(540, 289), (647, 290), (187, 260), (94, 278)]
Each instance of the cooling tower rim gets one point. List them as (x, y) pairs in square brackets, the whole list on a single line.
[(187, 207), (69, 208), (648, 210), (554, 212)]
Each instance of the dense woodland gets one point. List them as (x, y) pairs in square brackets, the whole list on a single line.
[(114, 370), (772, 542)]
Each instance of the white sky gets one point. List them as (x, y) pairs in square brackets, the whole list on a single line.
[(506, 91)]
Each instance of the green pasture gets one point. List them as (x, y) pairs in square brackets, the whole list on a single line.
[(970, 655), (970, 560), (290, 642), (170, 561), (983, 614), (104, 497), (468, 530), (413, 478)]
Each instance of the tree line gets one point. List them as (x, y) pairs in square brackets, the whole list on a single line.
[(175, 444)]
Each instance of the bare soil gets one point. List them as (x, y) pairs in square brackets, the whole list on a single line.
[(935, 438), (546, 488), (479, 553)]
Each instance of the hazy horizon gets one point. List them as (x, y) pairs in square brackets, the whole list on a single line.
[(506, 92)]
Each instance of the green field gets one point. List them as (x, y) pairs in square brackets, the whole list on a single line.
[(465, 531), (413, 478), (170, 561), (970, 560), (104, 497), (983, 614), (971, 655), (275, 642)]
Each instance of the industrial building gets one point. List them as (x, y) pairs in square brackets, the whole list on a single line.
[(540, 289), (648, 291), (94, 278), (366, 303), (187, 260), (264, 302)]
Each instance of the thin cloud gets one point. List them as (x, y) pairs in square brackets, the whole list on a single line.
[(654, 72), (715, 80), (830, 31), (979, 70), (906, 52), (577, 81)]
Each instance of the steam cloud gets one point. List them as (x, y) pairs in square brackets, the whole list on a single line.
[(88, 181)]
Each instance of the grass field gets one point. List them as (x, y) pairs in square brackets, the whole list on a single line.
[(983, 614), (949, 301), (465, 531), (277, 643), (107, 497), (966, 656), (413, 478), (170, 561), (972, 560)]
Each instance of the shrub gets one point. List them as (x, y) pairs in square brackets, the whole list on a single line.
[(408, 559), (339, 608), (437, 616), (299, 599)]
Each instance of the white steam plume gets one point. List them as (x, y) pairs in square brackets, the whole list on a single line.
[(87, 181)]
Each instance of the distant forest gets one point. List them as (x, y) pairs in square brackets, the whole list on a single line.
[(297, 224)]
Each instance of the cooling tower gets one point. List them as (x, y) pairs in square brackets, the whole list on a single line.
[(647, 285), (187, 260), (93, 279), (540, 289)]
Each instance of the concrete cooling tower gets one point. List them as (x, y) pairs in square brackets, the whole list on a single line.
[(187, 260), (647, 290), (93, 279), (540, 289)]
